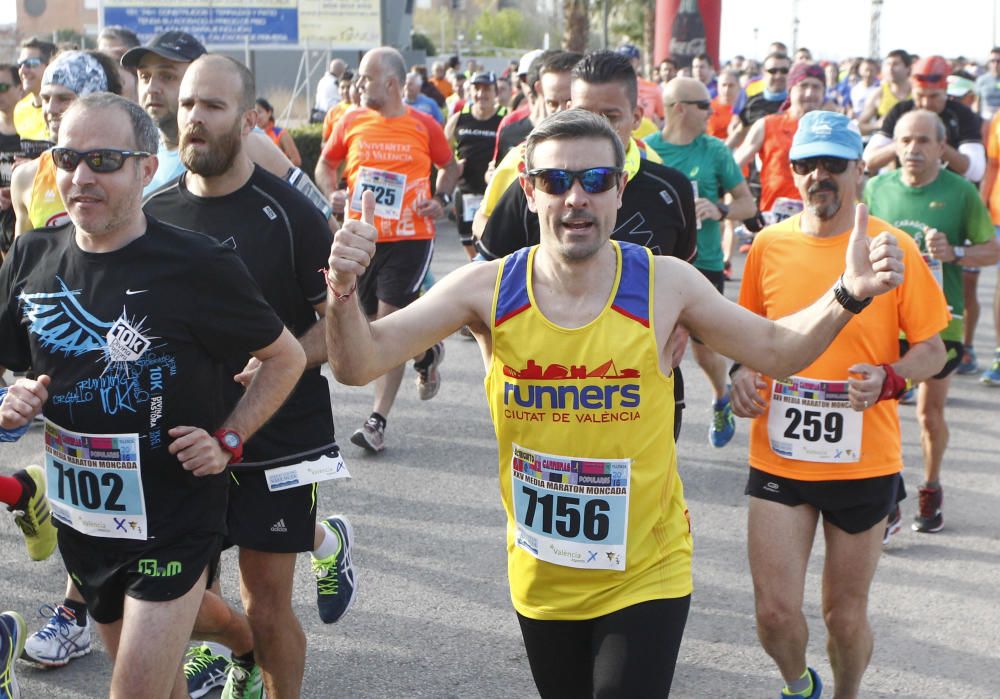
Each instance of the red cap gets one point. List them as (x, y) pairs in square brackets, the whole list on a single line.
[(932, 72)]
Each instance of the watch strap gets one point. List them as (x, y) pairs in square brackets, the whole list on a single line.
[(845, 299)]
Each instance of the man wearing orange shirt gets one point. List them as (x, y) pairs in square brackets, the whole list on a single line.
[(440, 80), (723, 105), (388, 148), (827, 441), (650, 95), (989, 188)]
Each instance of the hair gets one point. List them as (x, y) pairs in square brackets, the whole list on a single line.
[(939, 129), (777, 56), (11, 69), (421, 70), (348, 75), (995, 49), (603, 67), (669, 59), (114, 80), (262, 101), (902, 55), (572, 124), (120, 35), (561, 62), (535, 69), (782, 44), (147, 136), (703, 57), (419, 77), (46, 48)]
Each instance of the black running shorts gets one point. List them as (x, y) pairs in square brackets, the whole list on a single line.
[(165, 571), (395, 274), (278, 522), (853, 505), (718, 279), (954, 351)]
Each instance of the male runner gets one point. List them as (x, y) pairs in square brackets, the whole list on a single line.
[(133, 320), (413, 97), (33, 58), (650, 98), (282, 238), (575, 336), (705, 160), (389, 148), (990, 191), (826, 439), (768, 101), (941, 211), (33, 189), (473, 130), (115, 42)]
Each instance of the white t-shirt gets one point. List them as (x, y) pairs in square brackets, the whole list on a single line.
[(327, 92)]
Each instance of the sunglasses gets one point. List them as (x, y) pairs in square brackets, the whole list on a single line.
[(700, 104), (556, 181), (930, 78), (835, 166), (29, 63), (777, 71), (99, 160)]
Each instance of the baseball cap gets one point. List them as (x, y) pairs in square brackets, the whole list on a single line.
[(486, 78), (526, 59), (829, 134), (959, 85), (932, 71), (172, 45), (629, 51)]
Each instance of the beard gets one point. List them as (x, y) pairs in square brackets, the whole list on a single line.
[(827, 211), (217, 155)]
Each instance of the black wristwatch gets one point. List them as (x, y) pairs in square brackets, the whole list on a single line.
[(443, 197), (723, 209), (845, 299)]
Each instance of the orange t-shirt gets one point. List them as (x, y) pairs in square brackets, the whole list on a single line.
[(776, 172), (993, 153), (718, 122), (786, 270), (444, 86), (651, 99), (392, 156), (332, 116)]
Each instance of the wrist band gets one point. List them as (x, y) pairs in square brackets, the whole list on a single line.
[(337, 296), (734, 368), (894, 385)]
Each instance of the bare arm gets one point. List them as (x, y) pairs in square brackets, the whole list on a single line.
[(289, 148), (979, 255), (313, 343), (989, 177), (742, 206), (448, 176), (751, 145), (20, 195), (869, 121), (326, 175), (450, 127), (879, 152), (262, 151), (736, 132)]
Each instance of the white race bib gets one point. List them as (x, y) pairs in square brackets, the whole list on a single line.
[(388, 187), (811, 420), (325, 468), (94, 482), (571, 511), (470, 204), (937, 269)]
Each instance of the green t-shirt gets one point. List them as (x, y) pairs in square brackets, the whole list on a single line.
[(952, 205), (708, 162)]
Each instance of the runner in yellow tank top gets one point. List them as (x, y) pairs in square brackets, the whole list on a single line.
[(575, 336), (46, 208)]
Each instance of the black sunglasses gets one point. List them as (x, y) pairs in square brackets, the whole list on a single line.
[(98, 160), (835, 166), (776, 71), (556, 181), (700, 104), (29, 63), (930, 78)]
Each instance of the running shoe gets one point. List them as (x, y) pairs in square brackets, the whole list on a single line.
[(428, 376), (909, 397), (969, 363), (204, 670), (12, 634), (892, 525), (991, 377), (336, 584), (929, 519), (723, 426), (243, 683), (370, 436), (817, 688), (60, 640), (33, 516)]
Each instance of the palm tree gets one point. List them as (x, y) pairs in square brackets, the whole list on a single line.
[(576, 16)]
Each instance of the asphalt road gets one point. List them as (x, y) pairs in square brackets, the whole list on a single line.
[(433, 617)]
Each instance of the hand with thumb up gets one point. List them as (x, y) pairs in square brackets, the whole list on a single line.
[(353, 248)]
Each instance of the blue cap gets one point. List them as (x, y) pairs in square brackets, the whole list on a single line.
[(629, 51), (828, 134)]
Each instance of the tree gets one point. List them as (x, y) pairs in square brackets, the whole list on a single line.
[(421, 42), (576, 16)]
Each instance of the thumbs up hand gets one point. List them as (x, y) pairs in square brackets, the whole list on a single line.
[(874, 265), (353, 248)]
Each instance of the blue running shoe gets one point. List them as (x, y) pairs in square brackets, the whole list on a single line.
[(969, 363), (817, 688), (991, 377), (12, 634), (204, 671), (336, 584), (723, 425)]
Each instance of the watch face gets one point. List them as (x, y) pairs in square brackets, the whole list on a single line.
[(231, 439)]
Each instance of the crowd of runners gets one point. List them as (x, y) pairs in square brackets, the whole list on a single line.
[(173, 284)]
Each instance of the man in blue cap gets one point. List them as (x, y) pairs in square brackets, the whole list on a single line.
[(826, 442)]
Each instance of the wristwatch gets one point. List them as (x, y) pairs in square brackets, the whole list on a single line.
[(723, 210), (443, 197), (959, 251), (230, 441), (845, 299)]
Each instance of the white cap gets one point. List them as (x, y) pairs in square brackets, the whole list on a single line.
[(526, 59)]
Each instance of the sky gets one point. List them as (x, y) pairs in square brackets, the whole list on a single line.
[(839, 29)]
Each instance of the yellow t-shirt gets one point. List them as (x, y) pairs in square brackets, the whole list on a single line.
[(645, 128), (29, 121), (46, 208), (596, 518)]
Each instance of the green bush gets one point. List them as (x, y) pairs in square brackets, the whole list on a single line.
[(307, 139)]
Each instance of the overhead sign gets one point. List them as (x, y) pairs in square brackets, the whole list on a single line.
[(337, 24)]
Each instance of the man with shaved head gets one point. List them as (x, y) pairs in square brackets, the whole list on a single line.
[(684, 145), (389, 148), (942, 211)]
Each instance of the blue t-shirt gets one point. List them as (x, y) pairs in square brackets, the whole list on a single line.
[(425, 104), (169, 169)]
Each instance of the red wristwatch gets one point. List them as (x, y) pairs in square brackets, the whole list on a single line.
[(230, 441)]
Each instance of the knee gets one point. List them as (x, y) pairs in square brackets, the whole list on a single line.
[(932, 422), (774, 616), (846, 622)]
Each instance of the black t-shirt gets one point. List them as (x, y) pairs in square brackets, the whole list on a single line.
[(134, 341), (284, 242), (475, 140), (758, 107), (513, 135), (961, 124), (657, 211)]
